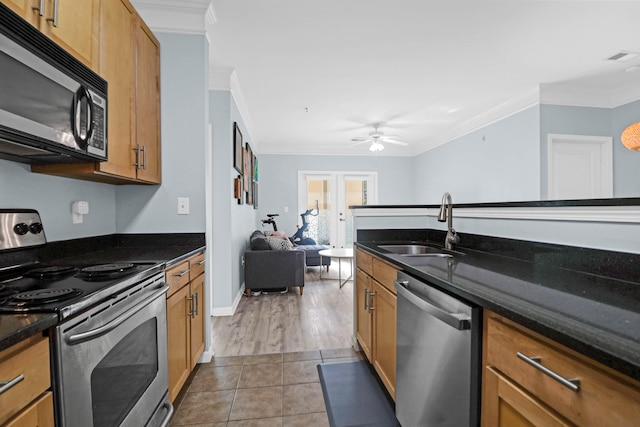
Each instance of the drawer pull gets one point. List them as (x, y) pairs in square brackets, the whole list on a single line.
[(572, 383), (6, 385), (201, 262), (182, 274)]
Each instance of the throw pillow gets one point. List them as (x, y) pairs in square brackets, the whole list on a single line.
[(279, 244), (258, 241)]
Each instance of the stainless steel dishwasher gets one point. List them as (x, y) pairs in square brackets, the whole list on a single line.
[(438, 357)]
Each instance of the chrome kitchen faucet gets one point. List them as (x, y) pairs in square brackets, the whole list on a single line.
[(452, 238)]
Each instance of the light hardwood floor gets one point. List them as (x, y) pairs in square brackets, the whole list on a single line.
[(321, 318)]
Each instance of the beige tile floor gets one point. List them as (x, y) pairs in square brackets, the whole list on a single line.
[(279, 389)]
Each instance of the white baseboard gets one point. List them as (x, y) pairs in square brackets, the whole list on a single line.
[(206, 356), (229, 311)]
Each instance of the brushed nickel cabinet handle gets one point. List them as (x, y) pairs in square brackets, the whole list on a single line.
[(6, 385), (138, 151), (190, 313), (56, 6), (144, 157), (366, 299), (371, 307), (39, 9), (182, 274), (200, 262), (196, 304), (536, 362)]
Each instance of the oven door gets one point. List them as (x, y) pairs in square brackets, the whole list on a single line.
[(111, 362)]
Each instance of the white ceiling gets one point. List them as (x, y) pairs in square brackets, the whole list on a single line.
[(311, 75)]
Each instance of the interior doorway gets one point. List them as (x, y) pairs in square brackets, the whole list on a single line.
[(580, 167), (333, 193)]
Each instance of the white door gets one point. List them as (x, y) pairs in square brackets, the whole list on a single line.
[(333, 193), (580, 167)]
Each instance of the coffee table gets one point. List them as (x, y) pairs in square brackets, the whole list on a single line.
[(339, 254)]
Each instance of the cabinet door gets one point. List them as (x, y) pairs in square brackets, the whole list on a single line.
[(37, 414), (76, 27), (384, 336), (24, 8), (197, 319), (117, 66), (363, 315), (178, 340), (504, 404), (147, 113)]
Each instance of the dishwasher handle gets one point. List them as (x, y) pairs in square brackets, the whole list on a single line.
[(460, 321)]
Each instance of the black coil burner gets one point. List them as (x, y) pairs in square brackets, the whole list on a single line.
[(50, 273), (105, 271), (44, 296)]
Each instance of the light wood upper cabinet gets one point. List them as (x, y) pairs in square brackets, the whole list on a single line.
[(130, 62), (72, 24), (517, 392)]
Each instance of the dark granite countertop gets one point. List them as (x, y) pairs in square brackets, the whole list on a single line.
[(165, 249), (594, 314)]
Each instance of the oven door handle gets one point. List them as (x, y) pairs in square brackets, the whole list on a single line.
[(108, 327), (169, 407)]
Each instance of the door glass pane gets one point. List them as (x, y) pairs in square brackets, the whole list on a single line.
[(319, 190), (356, 193), (124, 374)]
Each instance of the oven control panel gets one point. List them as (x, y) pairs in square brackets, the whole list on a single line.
[(20, 228)]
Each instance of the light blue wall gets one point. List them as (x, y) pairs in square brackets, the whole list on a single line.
[(232, 223), (562, 119), (52, 197), (278, 181), (626, 163), (497, 163), (184, 118)]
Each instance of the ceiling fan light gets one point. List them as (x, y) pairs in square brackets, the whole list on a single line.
[(376, 146), (631, 137)]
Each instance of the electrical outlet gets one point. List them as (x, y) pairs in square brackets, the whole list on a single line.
[(286, 209), (183, 206)]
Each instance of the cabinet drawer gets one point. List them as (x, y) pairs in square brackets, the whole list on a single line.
[(603, 398), (29, 359), (177, 276), (364, 261), (196, 265), (384, 273)]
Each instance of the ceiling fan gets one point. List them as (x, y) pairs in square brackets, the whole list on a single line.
[(376, 138)]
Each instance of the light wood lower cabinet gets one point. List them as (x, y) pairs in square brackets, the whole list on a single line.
[(27, 402), (185, 320), (521, 392), (375, 308)]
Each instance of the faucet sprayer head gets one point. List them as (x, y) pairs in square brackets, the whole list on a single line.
[(446, 198)]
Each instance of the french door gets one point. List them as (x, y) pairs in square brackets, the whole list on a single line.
[(333, 193)]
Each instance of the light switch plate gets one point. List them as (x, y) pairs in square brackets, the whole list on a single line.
[(183, 206)]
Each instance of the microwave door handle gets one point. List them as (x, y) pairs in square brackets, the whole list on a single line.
[(82, 140)]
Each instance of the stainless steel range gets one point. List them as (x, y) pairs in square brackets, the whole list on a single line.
[(109, 351)]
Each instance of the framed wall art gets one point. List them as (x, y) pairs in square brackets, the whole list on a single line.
[(238, 151)]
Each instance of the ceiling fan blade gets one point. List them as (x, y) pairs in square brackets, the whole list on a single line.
[(358, 143), (362, 139), (391, 141)]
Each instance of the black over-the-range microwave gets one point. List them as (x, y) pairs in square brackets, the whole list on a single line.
[(53, 108)]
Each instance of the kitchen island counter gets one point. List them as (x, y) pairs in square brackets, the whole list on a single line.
[(594, 314)]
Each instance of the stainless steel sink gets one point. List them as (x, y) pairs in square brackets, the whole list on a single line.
[(416, 250)]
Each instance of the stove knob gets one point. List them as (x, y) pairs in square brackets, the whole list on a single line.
[(36, 228), (21, 229)]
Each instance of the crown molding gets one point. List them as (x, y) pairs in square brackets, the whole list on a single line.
[(220, 78), (176, 16), (583, 96)]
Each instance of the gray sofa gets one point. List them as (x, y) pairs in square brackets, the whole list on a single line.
[(265, 268)]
